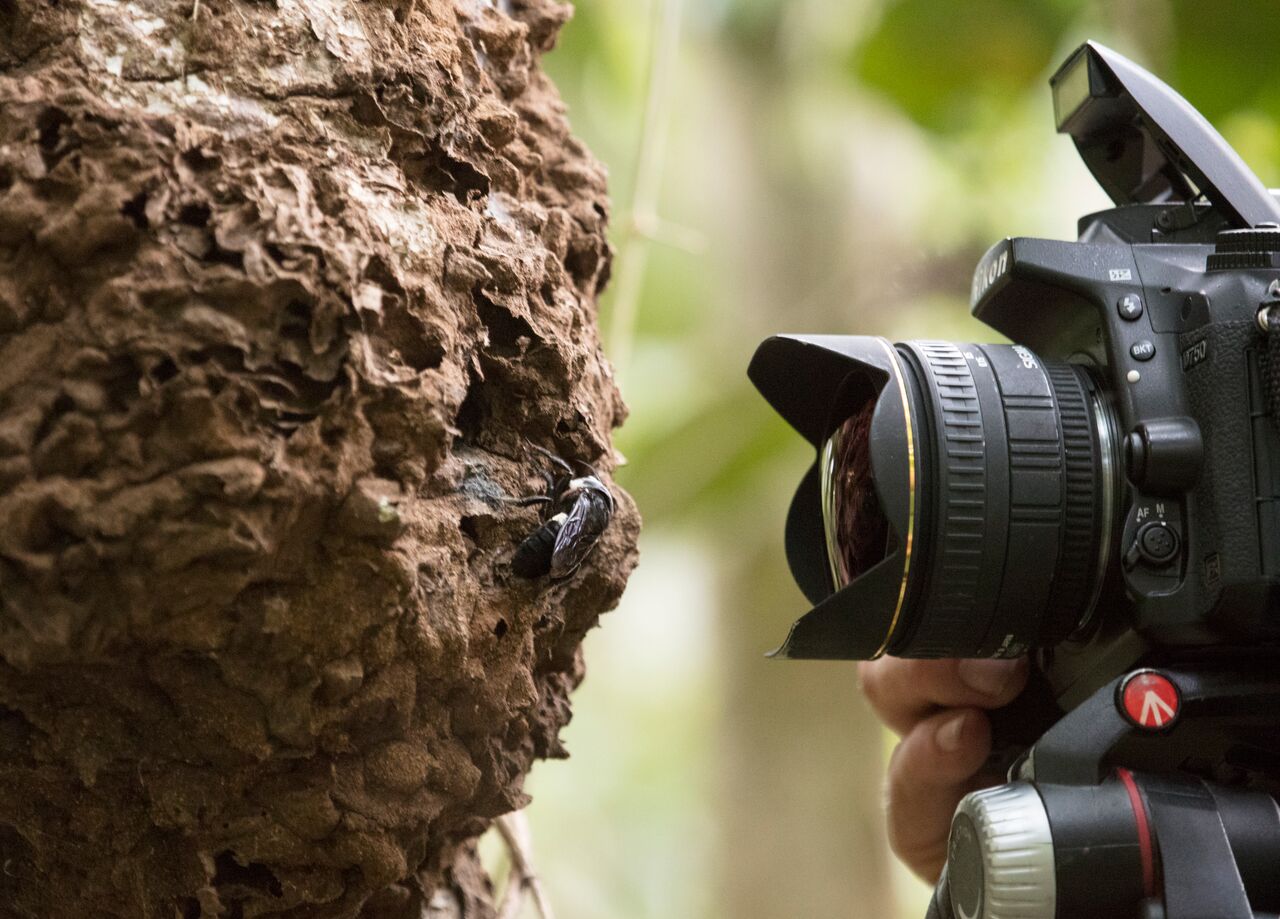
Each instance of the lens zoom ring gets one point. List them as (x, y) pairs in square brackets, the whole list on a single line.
[(1074, 575), (962, 524)]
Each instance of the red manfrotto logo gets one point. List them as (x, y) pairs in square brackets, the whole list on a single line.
[(1150, 700)]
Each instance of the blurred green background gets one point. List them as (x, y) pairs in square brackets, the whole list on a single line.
[(816, 165)]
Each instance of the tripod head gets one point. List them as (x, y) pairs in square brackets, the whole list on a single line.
[(1074, 834)]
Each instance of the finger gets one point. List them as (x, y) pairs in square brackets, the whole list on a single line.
[(904, 691), (934, 766)]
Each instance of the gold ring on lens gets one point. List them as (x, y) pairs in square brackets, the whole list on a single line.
[(896, 368)]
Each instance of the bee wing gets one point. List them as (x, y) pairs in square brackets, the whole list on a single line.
[(582, 528)]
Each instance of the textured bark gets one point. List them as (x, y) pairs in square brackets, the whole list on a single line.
[(287, 291)]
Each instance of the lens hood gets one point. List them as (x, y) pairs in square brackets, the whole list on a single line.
[(815, 382)]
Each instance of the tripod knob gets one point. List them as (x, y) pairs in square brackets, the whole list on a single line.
[(1000, 858)]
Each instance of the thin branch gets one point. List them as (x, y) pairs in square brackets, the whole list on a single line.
[(514, 830), (512, 899), (645, 225), (657, 230)]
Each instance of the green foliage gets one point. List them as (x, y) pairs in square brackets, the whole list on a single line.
[(941, 62), (1223, 56)]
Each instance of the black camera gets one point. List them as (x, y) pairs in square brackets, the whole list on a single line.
[(1103, 495)]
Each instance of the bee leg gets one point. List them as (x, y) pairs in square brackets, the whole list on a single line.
[(553, 459), (527, 500)]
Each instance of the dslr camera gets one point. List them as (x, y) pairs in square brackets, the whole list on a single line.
[(1103, 496)]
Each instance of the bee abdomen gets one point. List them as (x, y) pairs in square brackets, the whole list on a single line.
[(533, 556)]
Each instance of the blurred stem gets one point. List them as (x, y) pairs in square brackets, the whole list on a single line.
[(643, 225), (514, 830)]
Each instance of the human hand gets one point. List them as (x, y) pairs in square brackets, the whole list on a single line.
[(936, 706)]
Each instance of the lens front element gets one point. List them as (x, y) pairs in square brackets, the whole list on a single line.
[(857, 529)]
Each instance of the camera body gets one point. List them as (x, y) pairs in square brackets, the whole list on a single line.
[(1167, 318), (1108, 485)]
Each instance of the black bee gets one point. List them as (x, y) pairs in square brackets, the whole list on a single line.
[(578, 509)]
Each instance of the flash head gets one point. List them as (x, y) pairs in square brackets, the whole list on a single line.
[(1145, 144)]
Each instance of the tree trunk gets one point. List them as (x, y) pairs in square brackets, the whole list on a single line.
[(289, 289), (801, 823)]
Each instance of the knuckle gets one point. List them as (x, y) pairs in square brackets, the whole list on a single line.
[(899, 846), (904, 832), (924, 859), (866, 672), (894, 805), (871, 680), (916, 837), (897, 786)]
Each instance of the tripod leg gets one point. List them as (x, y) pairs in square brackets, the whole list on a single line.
[(1201, 878), (1153, 910)]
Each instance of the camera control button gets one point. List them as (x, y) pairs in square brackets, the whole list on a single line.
[(1157, 542), (1129, 307), (1143, 350)]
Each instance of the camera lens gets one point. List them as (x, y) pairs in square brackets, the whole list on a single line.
[(857, 529), (1010, 466)]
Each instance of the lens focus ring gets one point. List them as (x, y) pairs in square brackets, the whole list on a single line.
[(961, 521)]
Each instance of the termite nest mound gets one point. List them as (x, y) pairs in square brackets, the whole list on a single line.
[(289, 290)]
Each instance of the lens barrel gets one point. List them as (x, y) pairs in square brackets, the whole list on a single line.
[(1014, 498), (994, 476)]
